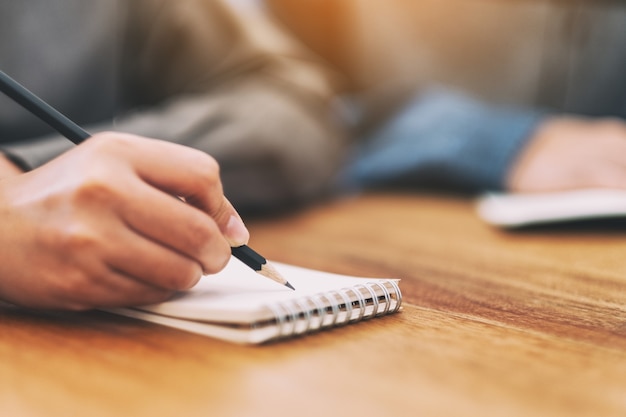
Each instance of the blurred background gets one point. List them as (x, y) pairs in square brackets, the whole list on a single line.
[(566, 55)]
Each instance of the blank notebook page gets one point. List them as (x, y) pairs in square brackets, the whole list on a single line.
[(238, 294), (240, 300)]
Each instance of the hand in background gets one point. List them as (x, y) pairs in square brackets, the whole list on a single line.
[(98, 226), (569, 152)]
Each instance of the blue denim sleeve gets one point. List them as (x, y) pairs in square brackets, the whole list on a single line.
[(444, 139)]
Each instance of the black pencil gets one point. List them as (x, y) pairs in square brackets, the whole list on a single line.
[(76, 134)]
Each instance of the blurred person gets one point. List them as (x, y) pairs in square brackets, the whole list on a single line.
[(478, 95), (95, 225)]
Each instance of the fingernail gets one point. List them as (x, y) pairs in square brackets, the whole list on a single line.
[(236, 232)]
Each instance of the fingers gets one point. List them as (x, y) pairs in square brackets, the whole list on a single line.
[(114, 289), (160, 266), (110, 203), (84, 283), (204, 228), (123, 269), (187, 173), (109, 266), (610, 174), (175, 225)]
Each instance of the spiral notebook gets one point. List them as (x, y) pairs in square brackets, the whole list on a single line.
[(238, 305)]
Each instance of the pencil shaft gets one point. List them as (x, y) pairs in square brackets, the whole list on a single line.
[(41, 109), (249, 257)]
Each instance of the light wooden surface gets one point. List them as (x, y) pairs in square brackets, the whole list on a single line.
[(494, 324)]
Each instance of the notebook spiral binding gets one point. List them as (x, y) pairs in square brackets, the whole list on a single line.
[(336, 308)]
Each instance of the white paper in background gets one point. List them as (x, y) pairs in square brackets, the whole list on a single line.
[(518, 210)]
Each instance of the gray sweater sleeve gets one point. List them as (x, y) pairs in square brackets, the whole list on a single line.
[(443, 138), (235, 87)]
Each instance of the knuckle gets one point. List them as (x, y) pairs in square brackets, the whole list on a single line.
[(73, 238), (94, 189), (109, 142)]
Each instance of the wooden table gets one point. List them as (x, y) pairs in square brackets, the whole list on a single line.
[(494, 324)]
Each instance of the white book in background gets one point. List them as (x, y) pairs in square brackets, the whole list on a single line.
[(519, 210), (241, 306)]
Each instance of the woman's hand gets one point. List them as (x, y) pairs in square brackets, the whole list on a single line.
[(99, 227)]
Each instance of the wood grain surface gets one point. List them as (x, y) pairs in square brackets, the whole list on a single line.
[(526, 323)]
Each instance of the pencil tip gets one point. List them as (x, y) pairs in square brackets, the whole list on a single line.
[(267, 270)]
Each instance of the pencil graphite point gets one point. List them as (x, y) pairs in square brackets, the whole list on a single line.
[(267, 270), (258, 263)]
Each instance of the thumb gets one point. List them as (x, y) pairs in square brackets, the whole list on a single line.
[(230, 223)]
